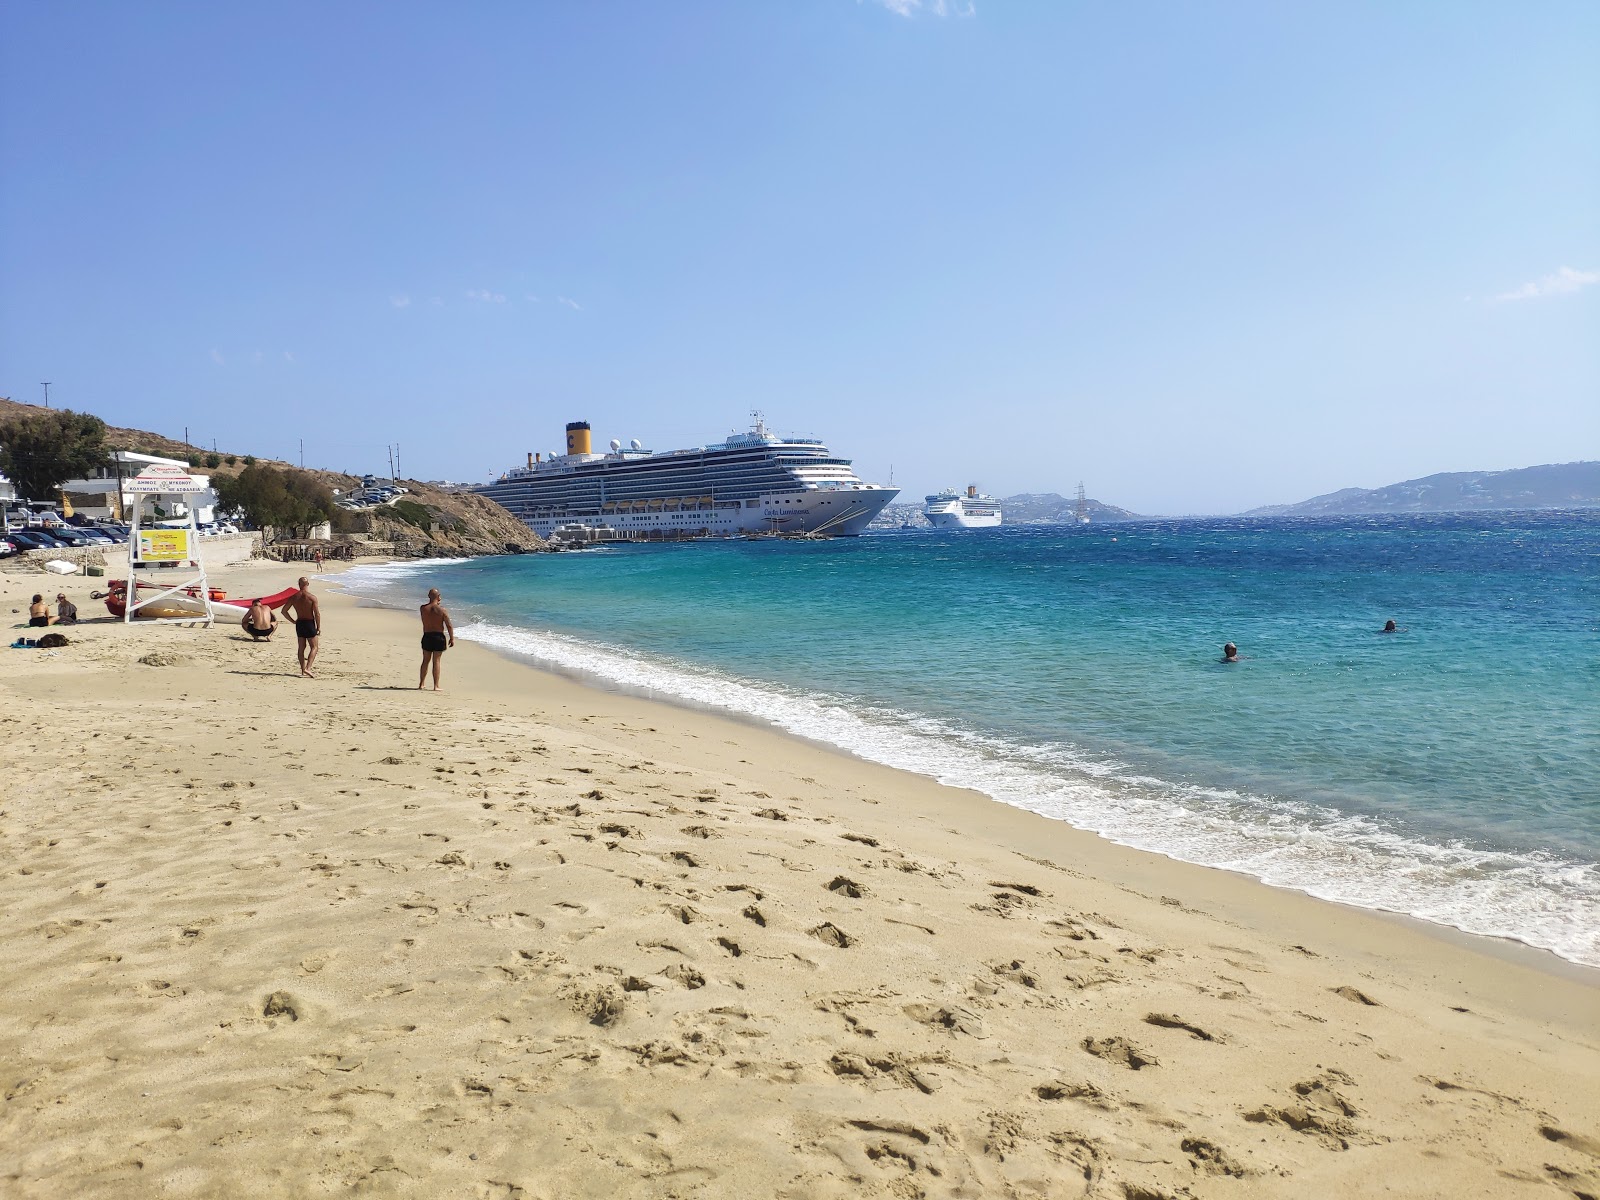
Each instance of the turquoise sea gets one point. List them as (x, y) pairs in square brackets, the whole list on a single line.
[(1450, 771)]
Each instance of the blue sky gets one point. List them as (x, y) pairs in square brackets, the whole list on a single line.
[(1200, 256)]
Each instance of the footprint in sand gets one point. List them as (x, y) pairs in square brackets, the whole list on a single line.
[(1355, 995), (832, 935), (1120, 1050)]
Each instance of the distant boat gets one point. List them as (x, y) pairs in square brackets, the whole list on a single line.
[(953, 510), (1081, 509)]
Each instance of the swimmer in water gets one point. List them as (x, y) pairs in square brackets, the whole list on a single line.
[(1390, 627), (1230, 653)]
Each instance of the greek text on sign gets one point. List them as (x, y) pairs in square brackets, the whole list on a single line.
[(164, 545), (160, 478)]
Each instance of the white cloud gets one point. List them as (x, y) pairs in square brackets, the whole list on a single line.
[(288, 356), (1558, 283), (216, 357), (532, 297), (573, 304), (938, 8), (486, 296), (400, 300)]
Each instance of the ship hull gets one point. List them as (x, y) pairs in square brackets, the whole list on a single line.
[(844, 512), (961, 520)]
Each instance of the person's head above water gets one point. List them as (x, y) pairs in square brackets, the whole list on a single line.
[(1389, 626), (1229, 651)]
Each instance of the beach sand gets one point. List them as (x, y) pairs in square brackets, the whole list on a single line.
[(265, 936)]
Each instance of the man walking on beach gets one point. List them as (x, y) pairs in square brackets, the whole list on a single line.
[(306, 613), (435, 622)]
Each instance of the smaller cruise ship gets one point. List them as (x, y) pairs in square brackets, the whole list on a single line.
[(955, 510)]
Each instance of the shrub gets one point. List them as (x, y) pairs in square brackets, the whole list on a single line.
[(213, 461), (231, 459), (249, 460), (412, 513)]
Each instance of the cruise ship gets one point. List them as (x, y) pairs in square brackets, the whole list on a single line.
[(953, 510), (755, 482)]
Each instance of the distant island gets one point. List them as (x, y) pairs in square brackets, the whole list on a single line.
[(1554, 485)]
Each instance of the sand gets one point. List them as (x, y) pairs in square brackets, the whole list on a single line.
[(265, 936)]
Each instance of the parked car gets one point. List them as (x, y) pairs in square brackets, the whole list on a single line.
[(97, 537), (69, 536), (32, 539), (7, 548)]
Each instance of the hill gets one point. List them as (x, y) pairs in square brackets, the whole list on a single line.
[(1047, 508), (428, 521), (1554, 485)]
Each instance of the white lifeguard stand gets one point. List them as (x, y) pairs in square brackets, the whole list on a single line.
[(166, 544)]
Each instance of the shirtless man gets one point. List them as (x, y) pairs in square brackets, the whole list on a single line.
[(304, 610), (260, 622), (435, 622)]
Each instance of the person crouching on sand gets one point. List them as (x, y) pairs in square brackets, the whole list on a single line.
[(303, 609), (435, 623), (260, 622)]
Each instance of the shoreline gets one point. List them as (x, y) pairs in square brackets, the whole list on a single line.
[(1503, 947), (274, 936)]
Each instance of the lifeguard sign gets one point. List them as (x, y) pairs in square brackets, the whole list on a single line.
[(186, 601)]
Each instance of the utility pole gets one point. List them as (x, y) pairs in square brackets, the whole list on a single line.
[(46, 386), (390, 449), (186, 437), (397, 460)]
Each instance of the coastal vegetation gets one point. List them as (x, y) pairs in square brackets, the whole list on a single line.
[(41, 449)]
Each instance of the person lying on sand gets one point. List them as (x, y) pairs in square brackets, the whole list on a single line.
[(303, 609), (260, 622), (435, 621)]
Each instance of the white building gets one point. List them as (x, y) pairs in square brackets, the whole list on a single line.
[(103, 495)]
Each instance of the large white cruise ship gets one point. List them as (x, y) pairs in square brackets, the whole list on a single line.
[(952, 510), (754, 482)]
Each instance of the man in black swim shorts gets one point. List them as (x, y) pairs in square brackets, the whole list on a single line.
[(260, 622), (303, 609), (435, 622)]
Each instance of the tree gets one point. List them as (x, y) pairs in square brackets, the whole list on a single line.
[(284, 499), (41, 451), (213, 461)]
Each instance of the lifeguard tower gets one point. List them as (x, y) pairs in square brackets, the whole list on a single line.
[(185, 601)]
